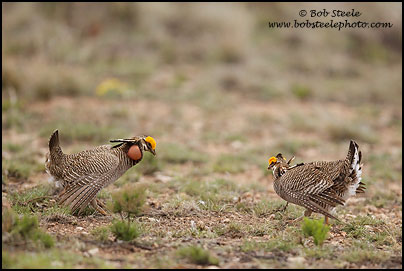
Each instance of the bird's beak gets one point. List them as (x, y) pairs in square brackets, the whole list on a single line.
[(153, 152)]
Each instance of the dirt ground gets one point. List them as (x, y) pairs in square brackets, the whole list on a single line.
[(220, 95)]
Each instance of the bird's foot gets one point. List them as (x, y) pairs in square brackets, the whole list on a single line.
[(99, 206), (100, 203), (295, 221), (282, 209)]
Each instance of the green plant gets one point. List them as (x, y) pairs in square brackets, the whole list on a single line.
[(197, 255), (23, 202), (44, 238), (301, 92), (25, 228), (130, 199), (315, 228), (101, 233), (125, 231)]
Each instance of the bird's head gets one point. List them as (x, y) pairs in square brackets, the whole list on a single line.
[(273, 161), (145, 143)]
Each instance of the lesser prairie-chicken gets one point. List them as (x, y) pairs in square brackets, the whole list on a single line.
[(319, 186), (82, 175)]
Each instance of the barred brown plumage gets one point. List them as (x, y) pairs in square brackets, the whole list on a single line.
[(84, 174), (319, 186)]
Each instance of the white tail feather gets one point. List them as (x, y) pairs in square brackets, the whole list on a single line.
[(358, 173)]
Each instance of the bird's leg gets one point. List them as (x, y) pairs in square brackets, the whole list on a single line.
[(306, 213), (286, 206), (282, 209), (98, 208), (100, 203), (326, 220)]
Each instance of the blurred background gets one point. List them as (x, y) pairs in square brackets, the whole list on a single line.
[(219, 90), (207, 80), (206, 77)]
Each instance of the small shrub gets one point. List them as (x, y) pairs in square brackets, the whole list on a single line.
[(101, 233), (129, 199), (234, 230), (25, 228), (315, 228), (197, 255), (19, 200), (125, 231), (43, 238), (301, 92)]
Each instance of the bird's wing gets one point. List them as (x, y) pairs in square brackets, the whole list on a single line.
[(331, 168), (313, 186), (88, 164), (86, 176), (306, 179)]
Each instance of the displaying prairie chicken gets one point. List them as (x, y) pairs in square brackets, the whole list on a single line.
[(84, 174), (319, 186)]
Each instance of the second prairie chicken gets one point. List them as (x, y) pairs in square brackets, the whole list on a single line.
[(84, 174), (319, 186)]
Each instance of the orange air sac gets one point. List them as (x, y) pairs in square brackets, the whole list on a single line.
[(134, 152)]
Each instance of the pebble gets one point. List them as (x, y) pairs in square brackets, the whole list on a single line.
[(163, 178), (93, 251)]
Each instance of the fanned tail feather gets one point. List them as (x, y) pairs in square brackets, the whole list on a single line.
[(54, 140), (54, 149), (78, 197), (355, 171), (87, 199)]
